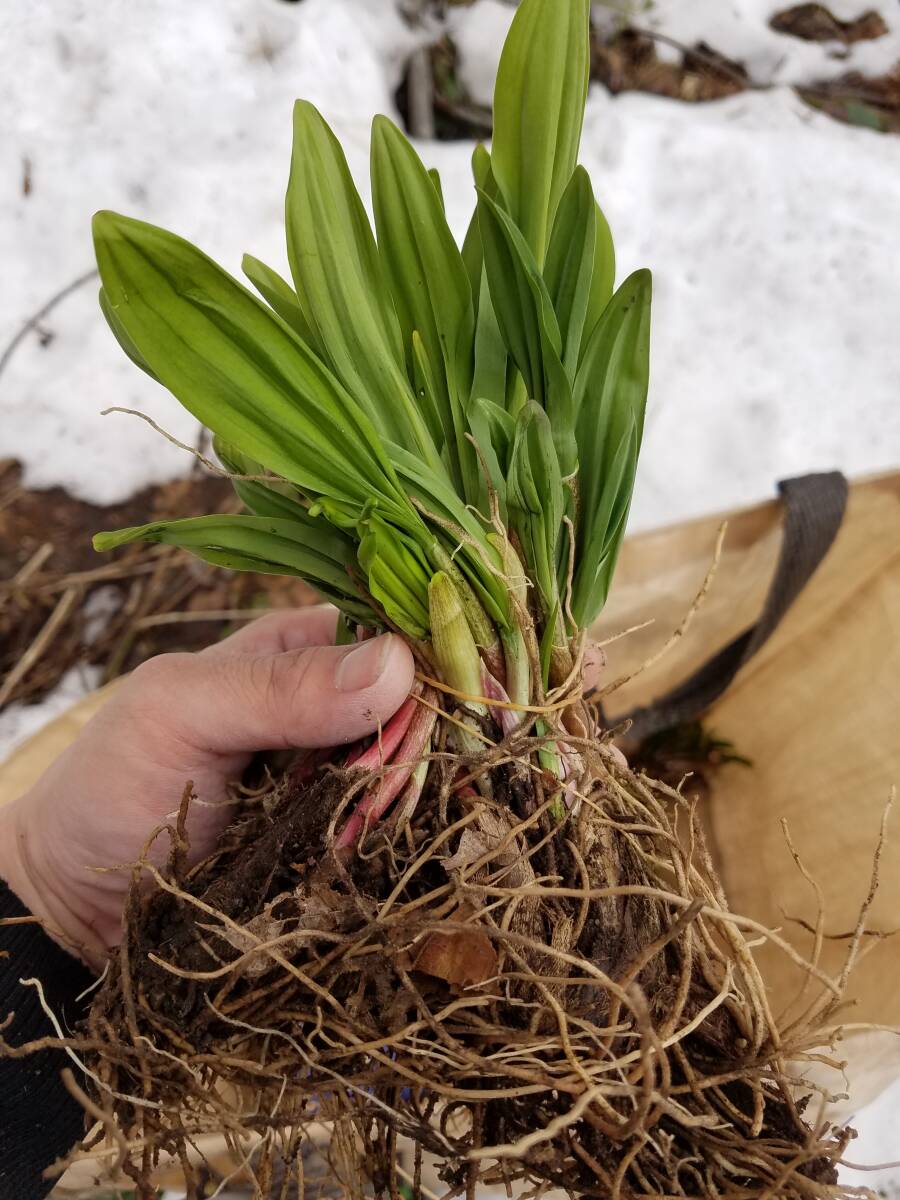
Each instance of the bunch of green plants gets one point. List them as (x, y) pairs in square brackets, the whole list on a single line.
[(422, 431)]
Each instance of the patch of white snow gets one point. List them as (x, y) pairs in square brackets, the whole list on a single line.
[(19, 722)]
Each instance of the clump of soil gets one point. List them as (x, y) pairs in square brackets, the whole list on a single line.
[(628, 61), (816, 23), (536, 996), (871, 101), (686, 757)]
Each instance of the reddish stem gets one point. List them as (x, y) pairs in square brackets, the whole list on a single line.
[(382, 749), (376, 801)]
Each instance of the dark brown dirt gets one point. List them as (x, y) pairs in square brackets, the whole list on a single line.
[(151, 581), (270, 851), (629, 62), (816, 23)]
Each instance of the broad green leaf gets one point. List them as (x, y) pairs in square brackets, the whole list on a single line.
[(539, 110), (603, 531), (491, 359), (279, 295), (432, 405), (610, 399), (341, 284), (238, 368), (310, 550), (614, 375), (429, 284), (569, 269), (121, 335), (603, 280), (536, 499), (528, 324)]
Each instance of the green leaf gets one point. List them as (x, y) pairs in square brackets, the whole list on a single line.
[(309, 549), (344, 634), (341, 284), (539, 110), (528, 323), (491, 358), (569, 269), (536, 499), (603, 531), (471, 248), (238, 368), (494, 430), (270, 499), (279, 295), (398, 576), (435, 177), (433, 406), (545, 654), (429, 285), (121, 335), (603, 280), (446, 512), (610, 398)]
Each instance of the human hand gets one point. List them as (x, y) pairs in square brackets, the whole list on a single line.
[(277, 684)]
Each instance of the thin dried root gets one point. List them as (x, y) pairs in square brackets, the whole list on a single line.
[(538, 999)]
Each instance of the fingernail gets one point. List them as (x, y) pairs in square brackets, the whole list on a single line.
[(363, 666)]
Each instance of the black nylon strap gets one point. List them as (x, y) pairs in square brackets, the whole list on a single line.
[(814, 507)]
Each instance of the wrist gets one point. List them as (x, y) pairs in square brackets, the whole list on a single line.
[(39, 892)]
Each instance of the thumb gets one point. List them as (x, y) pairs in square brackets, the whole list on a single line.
[(316, 696)]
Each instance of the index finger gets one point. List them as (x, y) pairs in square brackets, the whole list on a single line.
[(280, 630)]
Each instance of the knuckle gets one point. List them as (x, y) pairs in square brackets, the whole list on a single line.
[(151, 693), (159, 672)]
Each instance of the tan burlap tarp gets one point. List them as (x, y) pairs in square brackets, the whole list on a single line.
[(817, 711)]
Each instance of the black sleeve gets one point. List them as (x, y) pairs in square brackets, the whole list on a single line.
[(39, 1121)]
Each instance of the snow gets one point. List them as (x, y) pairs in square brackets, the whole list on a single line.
[(19, 722), (176, 113), (771, 230), (772, 234), (740, 30), (479, 33)]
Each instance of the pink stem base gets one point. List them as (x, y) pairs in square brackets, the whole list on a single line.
[(414, 726)]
